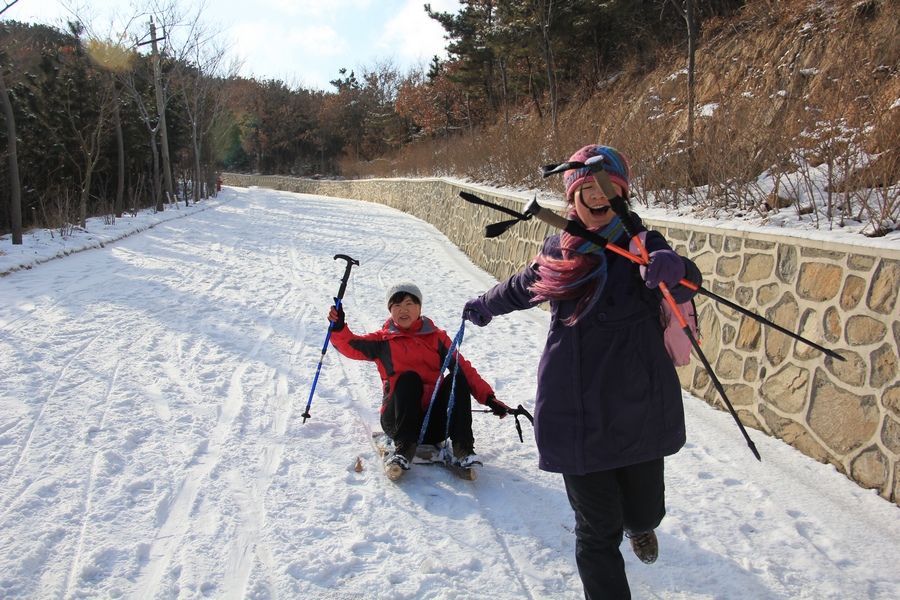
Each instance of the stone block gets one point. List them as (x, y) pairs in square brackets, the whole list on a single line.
[(678, 234), (831, 325), (729, 365), (870, 469), (728, 334), (706, 262), (732, 244), (698, 241), (766, 294), (756, 267), (740, 394), (743, 295), (860, 262), (808, 252), (890, 434), (844, 421), (854, 289), (754, 244), (785, 313), (749, 335), (883, 290), (787, 390), (728, 266), (851, 371), (716, 242), (863, 330), (819, 282), (891, 399), (701, 379), (787, 263), (724, 289), (711, 331), (884, 366), (810, 329), (751, 369)]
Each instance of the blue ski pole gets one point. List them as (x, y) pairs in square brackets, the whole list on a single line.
[(337, 304)]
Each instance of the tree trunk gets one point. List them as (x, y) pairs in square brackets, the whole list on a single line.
[(692, 50), (15, 198), (120, 144)]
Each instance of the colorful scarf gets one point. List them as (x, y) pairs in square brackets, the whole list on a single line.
[(580, 273)]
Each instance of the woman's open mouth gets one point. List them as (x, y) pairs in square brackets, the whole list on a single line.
[(598, 211)]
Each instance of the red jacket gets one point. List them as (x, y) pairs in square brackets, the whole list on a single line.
[(422, 349)]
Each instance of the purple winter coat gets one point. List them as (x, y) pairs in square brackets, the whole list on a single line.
[(608, 395)]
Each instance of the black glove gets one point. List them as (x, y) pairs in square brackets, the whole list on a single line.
[(497, 407), (336, 316)]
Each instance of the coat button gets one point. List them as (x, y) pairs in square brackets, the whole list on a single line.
[(601, 316)]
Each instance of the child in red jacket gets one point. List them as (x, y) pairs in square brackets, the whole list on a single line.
[(409, 351)]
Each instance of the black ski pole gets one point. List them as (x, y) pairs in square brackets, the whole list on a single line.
[(620, 207), (337, 304), (521, 411), (495, 229), (603, 180)]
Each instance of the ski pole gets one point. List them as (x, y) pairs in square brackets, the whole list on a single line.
[(337, 304), (515, 412), (454, 347), (576, 229), (620, 207), (495, 229)]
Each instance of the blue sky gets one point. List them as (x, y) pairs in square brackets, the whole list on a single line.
[(301, 42)]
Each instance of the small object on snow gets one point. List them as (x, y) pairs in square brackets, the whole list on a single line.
[(359, 466)]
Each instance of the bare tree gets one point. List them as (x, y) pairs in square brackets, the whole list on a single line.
[(200, 61), (687, 10), (15, 197)]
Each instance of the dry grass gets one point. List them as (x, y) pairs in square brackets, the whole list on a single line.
[(787, 91)]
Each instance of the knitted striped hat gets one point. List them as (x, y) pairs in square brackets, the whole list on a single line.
[(614, 163)]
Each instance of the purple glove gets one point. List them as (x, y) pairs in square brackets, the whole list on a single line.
[(664, 267), (477, 312)]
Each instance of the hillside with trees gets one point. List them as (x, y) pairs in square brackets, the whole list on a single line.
[(705, 97)]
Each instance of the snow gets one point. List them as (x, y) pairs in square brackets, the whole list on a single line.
[(151, 443)]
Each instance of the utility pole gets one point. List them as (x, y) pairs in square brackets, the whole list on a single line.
[(161, 109)]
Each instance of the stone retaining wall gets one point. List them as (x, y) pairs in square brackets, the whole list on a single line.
[(843, 297)]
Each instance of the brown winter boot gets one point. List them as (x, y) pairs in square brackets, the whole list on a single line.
[(403, 455), (645, 546), (464, 454)]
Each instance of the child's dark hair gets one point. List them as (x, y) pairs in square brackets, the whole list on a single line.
[(400, 297)]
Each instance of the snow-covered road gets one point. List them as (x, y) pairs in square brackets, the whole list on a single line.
[(151, 444)]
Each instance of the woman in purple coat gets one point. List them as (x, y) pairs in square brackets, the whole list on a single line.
[(608, 405)]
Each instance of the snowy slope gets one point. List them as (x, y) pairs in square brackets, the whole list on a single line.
[(151, 444)]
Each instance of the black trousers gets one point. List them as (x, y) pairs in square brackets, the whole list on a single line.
[(403, 416), (606, 505)]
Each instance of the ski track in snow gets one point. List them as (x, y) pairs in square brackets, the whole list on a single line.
[(151, 443)]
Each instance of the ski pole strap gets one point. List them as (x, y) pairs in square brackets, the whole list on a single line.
[(454, 346)]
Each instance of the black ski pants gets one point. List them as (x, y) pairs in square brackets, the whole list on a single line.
[(403, 416), (608, 504)]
